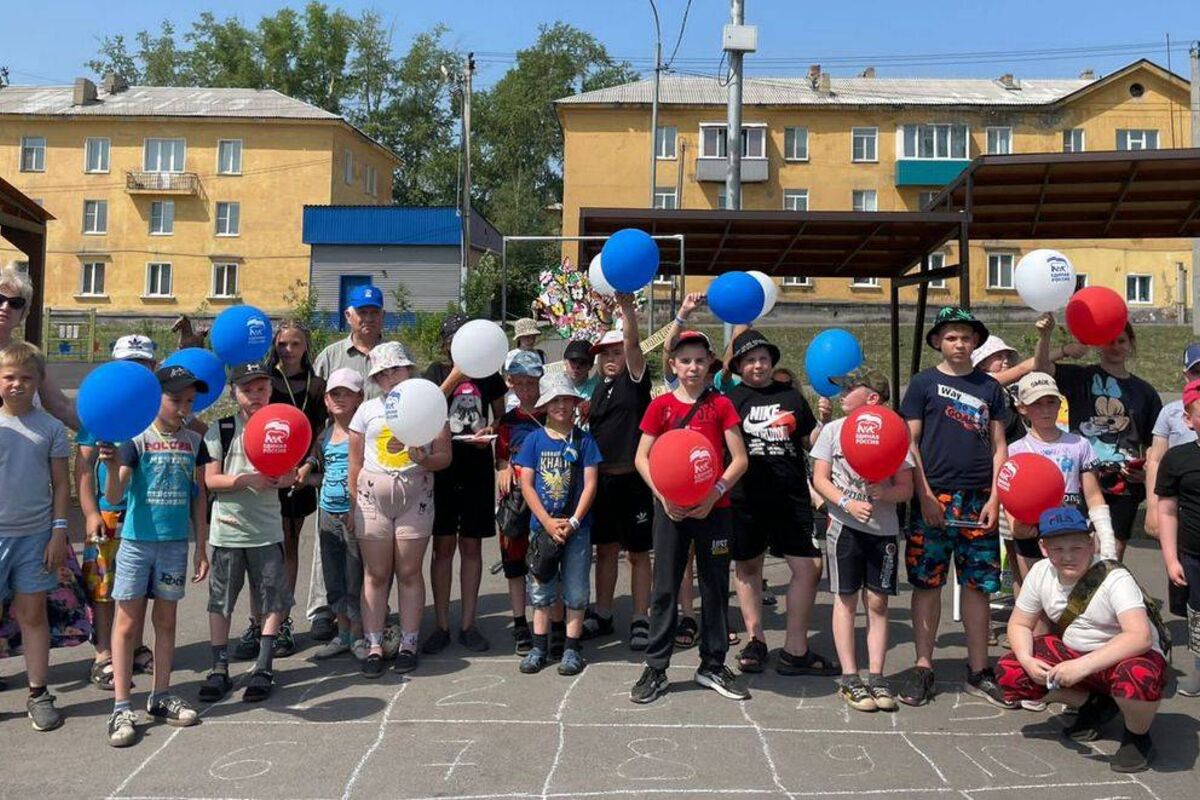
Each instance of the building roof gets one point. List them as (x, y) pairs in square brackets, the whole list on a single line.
[(396, 225), (1119, 194), (159, 101)]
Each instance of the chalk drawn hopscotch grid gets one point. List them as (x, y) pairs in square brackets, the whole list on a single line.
[(460, 740)]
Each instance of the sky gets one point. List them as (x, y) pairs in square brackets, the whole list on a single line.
[(43, 43)]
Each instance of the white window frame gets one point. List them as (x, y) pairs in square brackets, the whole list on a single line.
[(795, 135), (35, 146), (1068, 140), (1003, 134), (348, 168), (95, 217), (722, 141), (937, 261), (866, 134), (371, 180), (150, 271), (166, 220), (178, 145), (665, 197), (943, 145), (221, 280), (229, 223), (722, 198), (792, 195), (864, 283), (1000, 262), (234, 146), (864, 194), (664, 136), (1136, 298), (88, 271), (1143, 137), (796, 282), (100, 146)]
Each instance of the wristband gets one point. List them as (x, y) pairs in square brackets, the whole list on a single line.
[(574, 523), (58, 524), (312, 462), (721, 488), (680, 321), (844, 503)]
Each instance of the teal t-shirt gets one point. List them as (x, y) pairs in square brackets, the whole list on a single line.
[(159, 497), (335, 469), (99, 471)]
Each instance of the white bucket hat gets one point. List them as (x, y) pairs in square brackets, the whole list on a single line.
[(525, 327), (387, 355), (994, 344), (556, 384)]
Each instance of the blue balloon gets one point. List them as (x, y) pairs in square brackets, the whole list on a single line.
[(205, 366), (629, 259), (118, 400), (241, 334), (831, 353), (736, 298)]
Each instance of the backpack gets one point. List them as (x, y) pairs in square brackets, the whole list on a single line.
[(226, 429), (1083, 592)]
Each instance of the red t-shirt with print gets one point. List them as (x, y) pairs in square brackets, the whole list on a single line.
[(715, 416)]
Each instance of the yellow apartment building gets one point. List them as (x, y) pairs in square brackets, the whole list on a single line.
[(871, 143), (167, 200)]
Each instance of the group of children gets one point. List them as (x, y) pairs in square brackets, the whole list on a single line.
[(570, 442)]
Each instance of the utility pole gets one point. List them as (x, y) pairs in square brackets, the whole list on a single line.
[(733, 129), (1194, 52), (654, 105), (466, 187)]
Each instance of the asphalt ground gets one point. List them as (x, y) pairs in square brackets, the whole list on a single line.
[(471, 726)]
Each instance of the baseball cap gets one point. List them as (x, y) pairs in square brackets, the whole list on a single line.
[(993, 345), (1191, 393), (1191, 356), (608, 339), (578, 349), (134, 347), (525, 363), (746, 341), (175, 379), (554, 385), (1034, 386), (386, 355), (1062, 521), (345, 378), (365, 297), (245, 373), (692, 337), (873, 379), (952, 315)]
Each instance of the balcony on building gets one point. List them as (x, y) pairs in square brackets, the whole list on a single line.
[(928, 172), (932, 153), (172, 183), (713, 160)]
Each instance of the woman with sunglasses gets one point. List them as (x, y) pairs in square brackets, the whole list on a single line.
[(16, 296)]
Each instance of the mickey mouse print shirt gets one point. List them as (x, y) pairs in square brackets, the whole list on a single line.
[(1115, 414)]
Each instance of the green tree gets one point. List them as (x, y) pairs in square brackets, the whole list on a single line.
[(163, 63), (114, 57), (223, 53)]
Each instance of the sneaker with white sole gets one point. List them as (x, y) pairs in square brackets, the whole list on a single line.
[(983, 684), (174, 711), (360, 649), (722, 681), (1036, 706), (856, 694), (332, 649), (652, 683), (122, 728), (42, 713)]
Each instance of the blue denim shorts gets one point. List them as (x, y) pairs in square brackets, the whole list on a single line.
[(22, 567), (573, 571), (151, 569)]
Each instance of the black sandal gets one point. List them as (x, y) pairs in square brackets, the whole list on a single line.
[(102, 674), (685, 633), (639, 634), (753, 656), (146, 665), (258, 688), (215, 687), (808, 664)]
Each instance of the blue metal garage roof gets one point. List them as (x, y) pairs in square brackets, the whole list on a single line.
[(395, 225)]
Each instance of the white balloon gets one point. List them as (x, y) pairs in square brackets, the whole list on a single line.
[(1045, 280), (770, 290), (596, 277), (415, 411), (479, 348)]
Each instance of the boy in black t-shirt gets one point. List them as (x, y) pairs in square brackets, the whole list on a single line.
[(464, 494), (956, 417)]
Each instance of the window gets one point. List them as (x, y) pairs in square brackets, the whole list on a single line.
[(1081, 281), (348, 167), (1073, 141), (714, 141), (95, 155), (165, 155), (864, 283), (1000, 270), (864, 144), (229, 219), (864, 200), (795, 199), (931, 142), (95, 216), (937, 261), (91, 279), (926, 197), (162, 217), (664, 141), (797, 280), (999, 141), (1139, 289), (229, 156), (225, 280), (372, 180), (795, 144), (1137, 139), (158, 279), (664, 197), (33, 154), (722, 198)]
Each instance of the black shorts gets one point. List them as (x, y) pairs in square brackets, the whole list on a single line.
[(464, 502), (858, 557), (623, 511), (785, 528), (229, 567), (1029, 548), (1124, 509), (298, 504)]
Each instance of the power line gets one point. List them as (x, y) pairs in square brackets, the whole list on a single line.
[(679, 38)]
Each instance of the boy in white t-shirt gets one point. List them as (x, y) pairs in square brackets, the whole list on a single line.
[(1108, 656)]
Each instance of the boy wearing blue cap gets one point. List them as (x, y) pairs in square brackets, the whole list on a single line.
[(1105, 654)]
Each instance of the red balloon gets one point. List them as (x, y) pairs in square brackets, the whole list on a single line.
[(277, 438), (874, 440), (1096, 315), (684, 466), (1029, 484)]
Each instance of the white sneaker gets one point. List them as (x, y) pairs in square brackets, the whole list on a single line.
[(331, 649), (360, 649), (122, 728), (1037, 706)]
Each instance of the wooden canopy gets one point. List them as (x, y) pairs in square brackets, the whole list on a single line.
[(23, 222)]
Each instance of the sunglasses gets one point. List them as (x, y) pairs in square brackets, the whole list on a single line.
[(580, 362), (16, 303)]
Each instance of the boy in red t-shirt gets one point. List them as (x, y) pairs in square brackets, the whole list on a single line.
[(708, 525)]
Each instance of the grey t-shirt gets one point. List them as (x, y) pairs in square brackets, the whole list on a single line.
[(1170, 425), (883, 519), (27, 443), (343, 353), (245, 518)]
